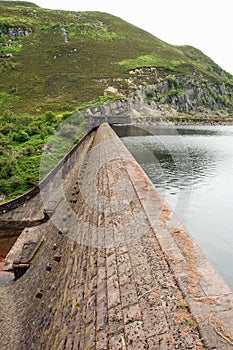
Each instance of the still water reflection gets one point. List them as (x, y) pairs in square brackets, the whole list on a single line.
[(192, 167)]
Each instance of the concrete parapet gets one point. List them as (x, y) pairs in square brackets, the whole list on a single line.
[(116, 269), (32, 199)]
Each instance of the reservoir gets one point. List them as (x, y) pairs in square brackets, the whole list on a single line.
[(192, 168)]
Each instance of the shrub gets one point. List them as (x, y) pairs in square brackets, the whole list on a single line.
[(24, 120), (3, 187), (66, 115), (32, 180), (7, 166), (29, 150), (68, 131), (150, 94), (33, 129), (172, 81), (50, 117), (8, 116), (20, 136), (15, 182), (7, 128)]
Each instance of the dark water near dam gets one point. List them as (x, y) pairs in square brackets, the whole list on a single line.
[(192, 168)]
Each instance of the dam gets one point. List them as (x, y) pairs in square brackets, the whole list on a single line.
[(103, 263)]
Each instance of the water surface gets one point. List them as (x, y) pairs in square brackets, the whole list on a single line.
[(192, 168)]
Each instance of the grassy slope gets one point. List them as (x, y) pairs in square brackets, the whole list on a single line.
[(46, 73), (43, 72)]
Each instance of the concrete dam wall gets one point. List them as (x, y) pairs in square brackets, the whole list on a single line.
[(111, 268)]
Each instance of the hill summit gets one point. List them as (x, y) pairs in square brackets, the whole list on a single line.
[(58, 60)]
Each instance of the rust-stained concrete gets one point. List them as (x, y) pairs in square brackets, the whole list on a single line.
[(114, 269)]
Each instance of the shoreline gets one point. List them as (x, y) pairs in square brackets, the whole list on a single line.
[(183, 119)]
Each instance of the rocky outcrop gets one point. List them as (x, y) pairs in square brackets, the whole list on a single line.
[(10, 39), (189, 94), (14, 32), (120, 107), (173, 96)]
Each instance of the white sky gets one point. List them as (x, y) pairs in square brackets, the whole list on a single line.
[(205, 24)]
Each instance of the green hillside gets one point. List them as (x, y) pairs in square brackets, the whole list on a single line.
[(53, 63), (56, 60)]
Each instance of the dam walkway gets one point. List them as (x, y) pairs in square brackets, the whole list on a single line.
[(112, 268)]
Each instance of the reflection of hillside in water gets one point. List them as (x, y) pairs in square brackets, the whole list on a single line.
[(130, 130), (170, 162)]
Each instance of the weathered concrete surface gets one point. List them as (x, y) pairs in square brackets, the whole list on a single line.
[(28, 210), (124, 275)]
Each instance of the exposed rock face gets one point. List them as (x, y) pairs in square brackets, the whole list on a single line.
[(120, 107), (186, 94), (14, 32), (9, 36), (18, 32), (172, 96)]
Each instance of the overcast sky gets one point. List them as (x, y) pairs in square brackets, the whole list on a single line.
[(205, 24)]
